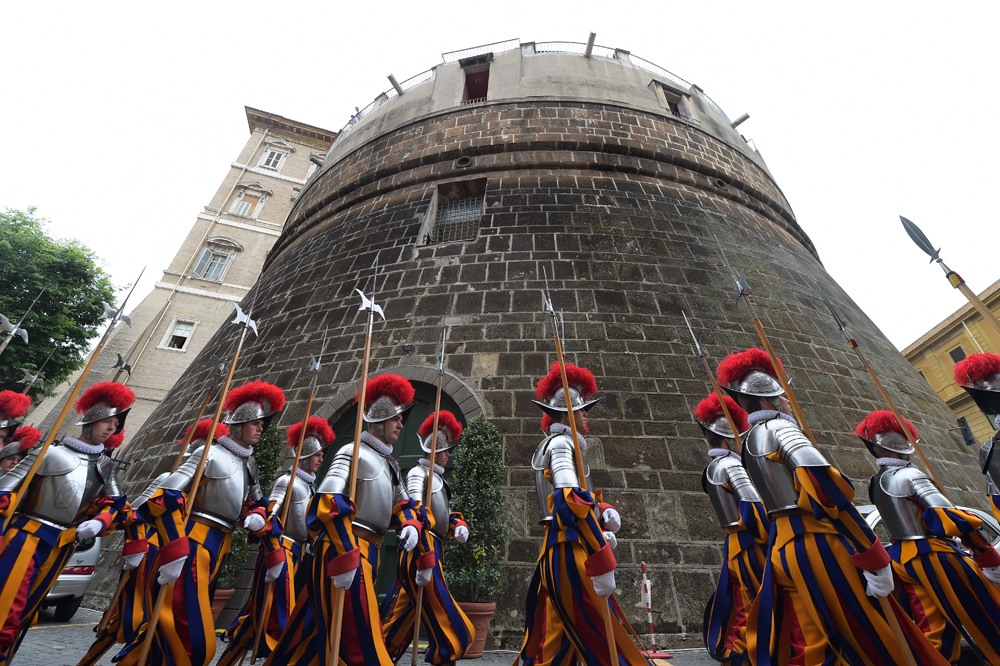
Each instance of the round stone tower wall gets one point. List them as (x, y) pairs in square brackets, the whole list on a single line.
[(617, 202)]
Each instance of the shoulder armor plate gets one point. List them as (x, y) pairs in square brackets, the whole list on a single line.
[(58, 460), (221, 463)]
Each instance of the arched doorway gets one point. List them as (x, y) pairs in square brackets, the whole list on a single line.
[(406, 451)]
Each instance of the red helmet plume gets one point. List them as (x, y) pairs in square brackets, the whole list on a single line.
[(113, 394), (708, 410), (976, 368), (879, 422), (392, 385), (13, 405), (737, 364), (258, 391), (114, 441), (26, 437), (546, 423), (446, 422), (581, 379), (316, 427), (202, 428)]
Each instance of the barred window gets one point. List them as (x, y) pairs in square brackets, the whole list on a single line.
[(458, 220)]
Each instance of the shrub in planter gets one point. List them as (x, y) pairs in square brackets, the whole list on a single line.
[(474, 569)]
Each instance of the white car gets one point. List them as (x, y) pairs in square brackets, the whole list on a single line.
[(67, 594)]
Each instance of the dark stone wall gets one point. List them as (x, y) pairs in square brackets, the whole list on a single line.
[(619, 208)]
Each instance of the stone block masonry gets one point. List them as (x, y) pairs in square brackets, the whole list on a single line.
[(618, 207)]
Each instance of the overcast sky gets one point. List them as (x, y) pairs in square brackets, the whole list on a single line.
[(122, 119)]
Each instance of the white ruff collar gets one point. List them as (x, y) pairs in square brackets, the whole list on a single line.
[(304, 475), (82, 447), (767, 415), (722, 453), (235, 447), (374, 442), (562, 429), (427, 463), (891, 462)]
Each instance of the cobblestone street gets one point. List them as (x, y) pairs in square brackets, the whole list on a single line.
[(52, 643)]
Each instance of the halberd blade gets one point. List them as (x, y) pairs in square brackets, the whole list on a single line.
[(918, 237), (697, 343), (244, 318)]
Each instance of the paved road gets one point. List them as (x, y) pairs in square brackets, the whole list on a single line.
[(52, 643)]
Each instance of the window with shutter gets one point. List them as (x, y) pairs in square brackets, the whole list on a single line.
[(206, 256)]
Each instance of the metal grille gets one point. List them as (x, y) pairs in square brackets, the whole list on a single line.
[(457, 220)]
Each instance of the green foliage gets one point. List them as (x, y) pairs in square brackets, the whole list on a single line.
[(268, 453), (67, 315), (238, 554), (474, 568)]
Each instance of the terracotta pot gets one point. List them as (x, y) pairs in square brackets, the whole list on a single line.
[(480, 614), (219, 601)]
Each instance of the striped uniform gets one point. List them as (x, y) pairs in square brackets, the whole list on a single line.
[(185, 630), (308, 635), (745, 555), (570, 623), (945, 590), (33, 556), (812, 578), (131, 602), (449, 631), (243, 631), (995, 506)]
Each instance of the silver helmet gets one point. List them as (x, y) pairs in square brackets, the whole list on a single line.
[(718, 425), (386, 396), (449, 432), (21, 442), (551, 397), (256, 400), (979, 375), (384, 408), (881, 428), (102, 401)]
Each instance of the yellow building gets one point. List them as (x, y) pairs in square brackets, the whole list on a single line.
[(935, 354)]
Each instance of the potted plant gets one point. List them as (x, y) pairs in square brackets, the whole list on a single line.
[(473, 569), (267, 452)]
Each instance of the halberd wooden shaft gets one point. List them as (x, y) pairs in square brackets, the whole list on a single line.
[(978, 304), (722, 402), (428, 491), (106, 618)]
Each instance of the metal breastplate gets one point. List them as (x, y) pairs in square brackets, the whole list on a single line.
[(379, 487), (772, 479), (64, 485), (561, 467), (440, 506), (222, 498), (149, 490), (294, 526), (891, 491), (725, 503)]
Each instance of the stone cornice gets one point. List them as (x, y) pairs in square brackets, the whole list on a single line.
[(293, 130)]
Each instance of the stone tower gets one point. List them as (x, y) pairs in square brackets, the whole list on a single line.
[(610, 175)]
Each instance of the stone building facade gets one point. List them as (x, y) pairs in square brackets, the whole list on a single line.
[(216, 266), (935, 353), (610, 176)]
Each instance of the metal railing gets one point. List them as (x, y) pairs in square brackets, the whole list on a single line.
[(495, 47), (578, 48), (457, 220)]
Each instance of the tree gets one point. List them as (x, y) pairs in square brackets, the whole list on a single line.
[(66, 317)]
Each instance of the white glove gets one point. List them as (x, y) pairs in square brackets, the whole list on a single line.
[(461, 534), (992, 574), (253, 523), (611, 539), (424, 576), (345, 580), (880, 582), (409, 536), (132, 561), (273, 572), (612, 520), (605, 583), (171, 571), (89, 528)]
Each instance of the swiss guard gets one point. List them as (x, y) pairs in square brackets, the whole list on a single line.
[(824, 561), (948, 594), (449, 631), (293, 538), (349, 538), (13, 406), (979, 375), (13, 452), (73, 495), (742, 515), (129, 612), (575, 573), (191, 555)]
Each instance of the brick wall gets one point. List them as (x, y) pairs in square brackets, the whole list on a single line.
[(619, 208)]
